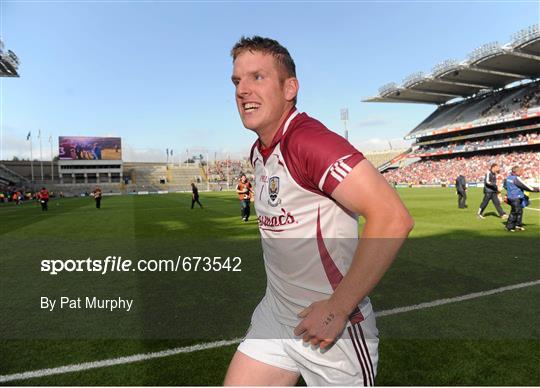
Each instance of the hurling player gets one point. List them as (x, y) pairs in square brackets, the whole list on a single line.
[(316, 319)]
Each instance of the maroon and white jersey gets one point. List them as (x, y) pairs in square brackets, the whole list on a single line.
[(294, 180)]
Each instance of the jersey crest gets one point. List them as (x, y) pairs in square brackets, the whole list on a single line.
[(273, 191)]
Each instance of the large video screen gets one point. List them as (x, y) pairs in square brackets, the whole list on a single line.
[(89, 148)]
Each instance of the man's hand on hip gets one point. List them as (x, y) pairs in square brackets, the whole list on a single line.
[(322, 323)]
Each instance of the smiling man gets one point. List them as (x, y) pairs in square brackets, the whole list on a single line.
[(310, 186)]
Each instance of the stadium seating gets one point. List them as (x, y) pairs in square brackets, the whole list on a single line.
[(158, 177), (443, 171), (466, 137), (484, 108), (180, 178), (222, 170), (7, 175), (380, 158), (510, 141), (149, 177)]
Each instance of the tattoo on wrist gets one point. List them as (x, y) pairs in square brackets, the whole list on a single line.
[(329, 319)]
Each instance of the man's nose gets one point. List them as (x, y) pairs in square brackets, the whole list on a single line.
[(243, 89)]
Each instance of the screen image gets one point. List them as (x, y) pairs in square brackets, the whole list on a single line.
[(89, 148)]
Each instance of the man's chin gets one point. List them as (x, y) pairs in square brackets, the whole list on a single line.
[(250, 124)]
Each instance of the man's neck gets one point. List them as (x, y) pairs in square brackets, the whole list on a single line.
[(266, 137)]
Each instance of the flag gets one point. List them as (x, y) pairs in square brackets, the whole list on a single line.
[(167, 152), (39, 134), (171, 152), (29, 135), (50, 138)]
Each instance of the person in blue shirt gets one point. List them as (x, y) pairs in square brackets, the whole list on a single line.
[(515, 188), (96, 151)]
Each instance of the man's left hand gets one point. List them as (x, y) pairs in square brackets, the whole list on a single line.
[(322, 323)]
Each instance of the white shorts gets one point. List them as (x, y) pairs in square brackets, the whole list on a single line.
[(352, 359)]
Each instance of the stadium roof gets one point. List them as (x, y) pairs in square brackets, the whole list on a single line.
[(488, 67), (9, 62)]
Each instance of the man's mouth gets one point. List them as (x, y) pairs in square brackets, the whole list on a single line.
[(251, 107)]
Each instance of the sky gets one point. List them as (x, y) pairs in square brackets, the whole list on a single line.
[(157, 73)]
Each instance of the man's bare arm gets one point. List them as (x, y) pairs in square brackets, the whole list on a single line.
[(364, 191)]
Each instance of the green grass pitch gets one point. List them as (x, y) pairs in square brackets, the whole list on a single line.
[(491, 340)]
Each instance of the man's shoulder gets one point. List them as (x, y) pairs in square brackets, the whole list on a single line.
[(303, 122), (308, 131)]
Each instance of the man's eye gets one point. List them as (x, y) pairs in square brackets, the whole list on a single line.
[(258, 77)]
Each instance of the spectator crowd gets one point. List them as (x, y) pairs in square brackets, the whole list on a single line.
[(485, 108), (470, 145), (444, 171), (218, 170)]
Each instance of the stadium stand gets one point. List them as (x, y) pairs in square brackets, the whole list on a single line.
[(145, 176), (13, 184), (24, 169), (380, 158), (154, 177), (488, 111), (137, 177), (483, 143), (482, 110), (228, 170), (180, 178), (443, 171), (9, 62), (11, 177)]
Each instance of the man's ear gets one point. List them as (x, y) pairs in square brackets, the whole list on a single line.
[(291, 88)]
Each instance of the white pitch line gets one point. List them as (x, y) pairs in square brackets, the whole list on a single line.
[(218, 344), (462, 298), (115, 361)]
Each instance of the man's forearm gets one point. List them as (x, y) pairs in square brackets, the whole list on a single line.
[(373, 257), (523, 186), (388, 223)]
